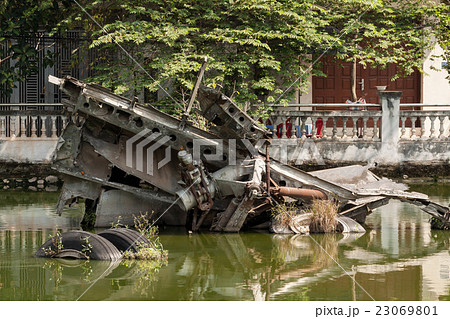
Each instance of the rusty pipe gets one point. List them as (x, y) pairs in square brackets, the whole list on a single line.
[(302, 193)]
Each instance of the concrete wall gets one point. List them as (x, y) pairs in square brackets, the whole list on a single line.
[(435, 86), (295, 152), (27, 150)]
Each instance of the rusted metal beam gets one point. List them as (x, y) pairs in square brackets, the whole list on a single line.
[(301, 193)]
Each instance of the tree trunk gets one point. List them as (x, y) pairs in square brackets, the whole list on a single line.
[(354, 66)]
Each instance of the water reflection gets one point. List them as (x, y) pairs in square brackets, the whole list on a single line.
[(21, 210), (273, 267), (252, 266), (398, 258)]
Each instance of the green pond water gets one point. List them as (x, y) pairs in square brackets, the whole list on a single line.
[(398, 258)]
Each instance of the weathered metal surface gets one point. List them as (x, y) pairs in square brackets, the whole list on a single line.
[(289, 176), (112, 205), (164, 178), (231, 122), (73, 188), (239, 215), (360, 208), (439, 212), (299, 193), (223, 218), (299, 224), (348, 225)]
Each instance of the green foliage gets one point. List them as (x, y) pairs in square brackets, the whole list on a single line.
[(443, 34), (117, 224), (389, 31), (256, 48), (152, 251), (87, 247), (56, 246), (144, 224), (21, 22)]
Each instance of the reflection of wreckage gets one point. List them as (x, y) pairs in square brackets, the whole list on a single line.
[(231, 185)]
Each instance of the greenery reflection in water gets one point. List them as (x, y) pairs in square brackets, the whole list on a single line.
[(398, 258)]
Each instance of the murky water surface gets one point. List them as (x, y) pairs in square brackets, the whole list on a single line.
[(398, 258)]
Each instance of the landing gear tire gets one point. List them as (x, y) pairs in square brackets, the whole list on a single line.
[(125, 239), (79, 245)]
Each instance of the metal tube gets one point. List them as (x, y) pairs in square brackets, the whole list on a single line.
[(302, 193)]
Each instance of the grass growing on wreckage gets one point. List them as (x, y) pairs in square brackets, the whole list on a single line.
[(153, 251), (283, 213), (323, 216), (57, 244), (149, 258)]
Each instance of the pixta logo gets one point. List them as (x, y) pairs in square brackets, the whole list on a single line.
[(142, 142), (141, 148)]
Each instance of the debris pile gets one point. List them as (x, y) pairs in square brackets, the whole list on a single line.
[(124, 157)]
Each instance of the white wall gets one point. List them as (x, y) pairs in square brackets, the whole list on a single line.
[(435, 87)]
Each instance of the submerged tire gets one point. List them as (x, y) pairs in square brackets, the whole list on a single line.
[(101, 248), (70, 253), (125, 239)]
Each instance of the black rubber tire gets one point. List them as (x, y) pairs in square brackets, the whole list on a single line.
[(125, 239), (70, 253), (101, 249)]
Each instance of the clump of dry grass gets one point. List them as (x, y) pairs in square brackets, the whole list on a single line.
[(283, 213), (323, 216)]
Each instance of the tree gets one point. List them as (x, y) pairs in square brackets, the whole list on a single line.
[(443, 35), (20, 22), (379, 33), (256, 48)]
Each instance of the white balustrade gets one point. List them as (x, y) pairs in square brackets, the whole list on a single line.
[(2, 126), (360, 125), (433, 125), (27, 127), (319, 125), (53, 128)]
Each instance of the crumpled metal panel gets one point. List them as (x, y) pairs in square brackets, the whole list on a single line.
[(230, 121), (165, 178), (73, 188), (117, 204)]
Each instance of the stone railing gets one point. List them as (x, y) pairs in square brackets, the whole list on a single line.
[(31, 121), (289, 122), (424, 124), (345, 124), (29, 132), (385, 132)]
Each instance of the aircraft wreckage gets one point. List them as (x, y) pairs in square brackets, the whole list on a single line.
[(124, 158)]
